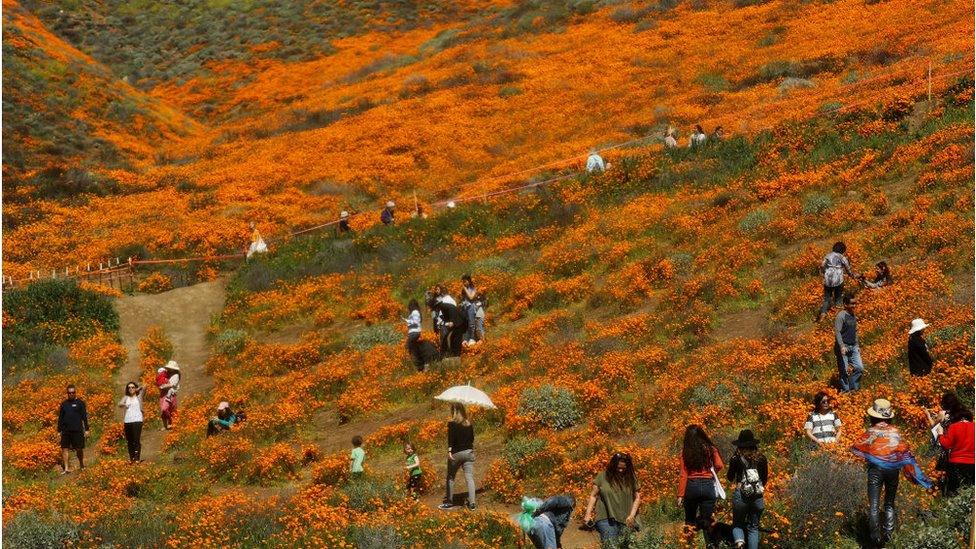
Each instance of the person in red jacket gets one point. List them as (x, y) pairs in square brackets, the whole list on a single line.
[(696, 486), (958, 439)]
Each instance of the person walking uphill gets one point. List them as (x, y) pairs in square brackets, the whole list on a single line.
[(846, 348), (833, 267), (616, 498), (697, 485), (131, 402), (919, 359), (73, 428), (885, 453), (749, 471), (460, 455)]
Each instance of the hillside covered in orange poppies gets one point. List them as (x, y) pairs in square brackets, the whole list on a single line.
[(678, 287)]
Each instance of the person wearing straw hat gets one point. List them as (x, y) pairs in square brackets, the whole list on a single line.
[(168, 391), (885, 453), (669, 140), (343, 226), (460, 455), (749, 471), (387, 215), (223, 421), (595, 163), (919, 359)]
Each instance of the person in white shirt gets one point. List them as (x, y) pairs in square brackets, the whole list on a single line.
[(697, 138), (595, 163), (669, 141), (131, 402), (413, 321)]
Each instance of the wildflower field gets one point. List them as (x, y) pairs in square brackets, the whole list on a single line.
[(677, 287)]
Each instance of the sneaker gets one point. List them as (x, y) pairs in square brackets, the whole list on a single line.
[(471, 506), (471, 342), (445, 506)]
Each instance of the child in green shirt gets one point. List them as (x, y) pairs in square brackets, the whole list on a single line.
[(357, 456), (414, 482)]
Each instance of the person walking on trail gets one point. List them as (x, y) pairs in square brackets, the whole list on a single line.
[(595, 163), (822, 425), (846, 347), (544, 521), (342, 228), (168, 394), (473, 305), (460, 455), (387, 215), (415, 475), (73, 428), (614, 499), (885, 454), (453, 324), (698, 137), (833, 267), (257, 243), (882, 277), (957, 439), (131, 402), (919, 359), (698, 484), (356, 457), (223, 421), (749, 472)]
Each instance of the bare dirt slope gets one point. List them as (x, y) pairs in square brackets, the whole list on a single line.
[(184, 314)]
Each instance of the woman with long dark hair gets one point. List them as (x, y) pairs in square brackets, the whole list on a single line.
[(696, 486), (616, 498), (132, 420), (958, 440)]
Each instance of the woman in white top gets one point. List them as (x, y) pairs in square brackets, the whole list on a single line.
[(697, 138), (132, 420)]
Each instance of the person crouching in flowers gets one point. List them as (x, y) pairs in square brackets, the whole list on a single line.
[(822, 425), (885, 454), (223, 421), (545, 521), (616, 499)]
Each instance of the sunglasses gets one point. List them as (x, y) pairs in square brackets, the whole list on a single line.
[(71, 392)]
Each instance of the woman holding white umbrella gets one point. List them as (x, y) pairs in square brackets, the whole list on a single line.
[(460, 439)]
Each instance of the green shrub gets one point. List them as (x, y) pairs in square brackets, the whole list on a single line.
[(369, 493), (556, 407), (32, 530), (816, 204), (754, 221), (509, 91), (703, 395), (371, 336), (520, 449), (376, 537), (712, 82), (929, 537), (231, 342), (826, 496)]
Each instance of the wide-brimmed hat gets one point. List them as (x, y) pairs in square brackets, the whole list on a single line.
[(881, 409), (344, 214), (390, 204), (223, 406), (172, 365), (746, 439), (917, 325)]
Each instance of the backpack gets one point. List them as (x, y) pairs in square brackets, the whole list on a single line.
[(751, 485)]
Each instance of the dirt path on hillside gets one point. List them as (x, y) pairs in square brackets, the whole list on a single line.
[(184, 314)]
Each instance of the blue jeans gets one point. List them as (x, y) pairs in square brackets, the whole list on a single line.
[(745, 519), (610, 529), (543, 534), (851, 382), (699, 502), (476, 324)]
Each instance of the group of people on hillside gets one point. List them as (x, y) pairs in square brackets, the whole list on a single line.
[(456, 325), (698, 137), (847, 349)]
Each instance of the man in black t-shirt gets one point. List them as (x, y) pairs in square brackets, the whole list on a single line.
[(73, 427)]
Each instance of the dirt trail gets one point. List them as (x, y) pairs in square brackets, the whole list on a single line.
[(184, 314)]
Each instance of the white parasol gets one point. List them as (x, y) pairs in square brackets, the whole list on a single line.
[(467, 395)]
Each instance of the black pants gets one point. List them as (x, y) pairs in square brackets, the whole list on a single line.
[(699, 502), (881, 529), (957, 476), (413, 342), (414, 484), (133, 439)]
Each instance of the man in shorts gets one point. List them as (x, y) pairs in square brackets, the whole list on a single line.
[(73, 427)]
